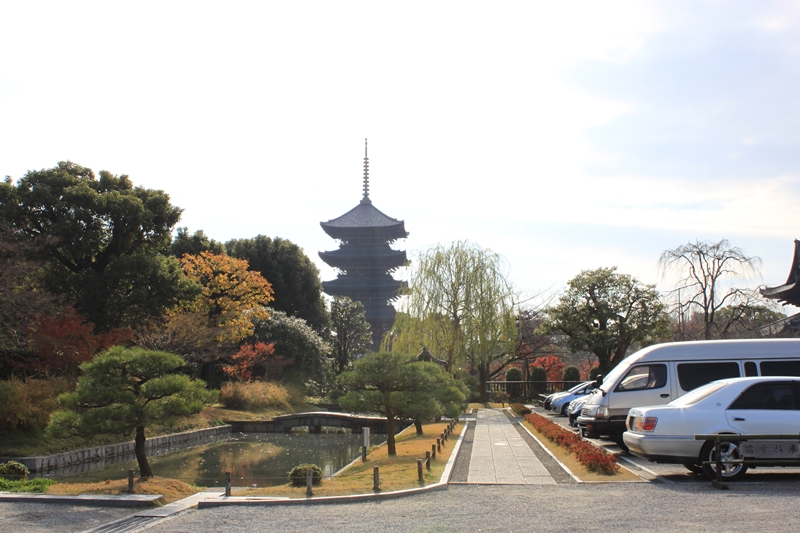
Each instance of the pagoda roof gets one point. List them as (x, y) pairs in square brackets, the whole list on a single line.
[(362, 217), (346, 285), (789, 292), (364, 257)]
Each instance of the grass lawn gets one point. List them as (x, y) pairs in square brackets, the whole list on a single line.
[(396, 473), (580, 471), (171, 489)]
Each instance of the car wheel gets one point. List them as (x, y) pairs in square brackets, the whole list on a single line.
[(622, 445), (729, 451), (564, 409), (693, 468)]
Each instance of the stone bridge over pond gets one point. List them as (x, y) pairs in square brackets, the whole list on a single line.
[(315, 421)]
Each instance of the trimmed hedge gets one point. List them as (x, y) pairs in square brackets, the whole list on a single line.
[(298, 475), (13, 470), (520, 409), (589, 455)]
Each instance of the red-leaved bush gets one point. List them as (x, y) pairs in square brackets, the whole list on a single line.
[(590, 456), (63, 342), (255, 361)]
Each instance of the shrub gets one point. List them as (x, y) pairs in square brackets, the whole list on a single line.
[(501, 397), (298, 475), (38, 484), (520, 409), (590, 456), (594, 372), (571, 373), (472, 384), (539, 375), (253, 395), (14, 470), (27, 404), (514, 389)]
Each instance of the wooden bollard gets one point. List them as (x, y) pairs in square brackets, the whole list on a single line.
[(227, 483), (433, 451), (419, 470), (130, 481), (376, 478), (444, 437), (428, 460), (439, 445), (309, 482)]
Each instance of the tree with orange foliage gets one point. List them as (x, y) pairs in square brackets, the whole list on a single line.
[(208, 329), (232, 296), (65, 341), (553, 366)]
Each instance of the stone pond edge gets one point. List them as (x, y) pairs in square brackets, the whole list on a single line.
[(266, 500), (59, 460)]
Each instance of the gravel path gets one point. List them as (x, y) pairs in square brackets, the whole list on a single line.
[(610, 507), (18, 517)]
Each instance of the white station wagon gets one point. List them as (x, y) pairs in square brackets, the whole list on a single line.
[(766, 405)]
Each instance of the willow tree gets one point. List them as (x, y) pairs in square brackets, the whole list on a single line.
[(460, 306)]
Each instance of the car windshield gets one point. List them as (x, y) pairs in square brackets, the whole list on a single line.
[(614, 375), (699, 393), (576, 387)]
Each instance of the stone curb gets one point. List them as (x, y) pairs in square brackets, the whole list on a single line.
[(108, 500), (266, 500)]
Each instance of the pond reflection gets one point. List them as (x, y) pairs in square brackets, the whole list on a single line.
[(261, 459)]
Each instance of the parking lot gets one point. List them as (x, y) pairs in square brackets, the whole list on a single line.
[(669, 473)]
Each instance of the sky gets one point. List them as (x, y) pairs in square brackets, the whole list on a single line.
[(564, 136)]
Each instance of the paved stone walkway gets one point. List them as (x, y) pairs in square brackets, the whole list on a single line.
[(501, 456)]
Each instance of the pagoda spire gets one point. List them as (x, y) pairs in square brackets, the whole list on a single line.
[(365, 199)]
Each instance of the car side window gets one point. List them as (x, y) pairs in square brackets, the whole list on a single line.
[(766, 396), (692, 375), (644, 377), (780, 368)]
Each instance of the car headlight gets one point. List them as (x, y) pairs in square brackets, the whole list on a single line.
[(602, 412)]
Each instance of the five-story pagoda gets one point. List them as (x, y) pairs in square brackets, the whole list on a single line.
[(366, 260)]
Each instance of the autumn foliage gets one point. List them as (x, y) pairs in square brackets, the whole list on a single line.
[(589, 455), (553, 366), (63, 342), (232, 297), (257, 360)]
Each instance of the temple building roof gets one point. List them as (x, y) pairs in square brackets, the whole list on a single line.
[(365, 219), (364, 215), (361, 257), (789, 292)]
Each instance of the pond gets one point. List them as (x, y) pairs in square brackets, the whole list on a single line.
[(253, 459)]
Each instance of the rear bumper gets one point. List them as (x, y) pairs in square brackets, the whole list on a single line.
[(674, 449), (602, 427)]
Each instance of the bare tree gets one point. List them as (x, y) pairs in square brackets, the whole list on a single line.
[(703, 268)]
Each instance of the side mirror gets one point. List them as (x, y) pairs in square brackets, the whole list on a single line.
[(598, 381)]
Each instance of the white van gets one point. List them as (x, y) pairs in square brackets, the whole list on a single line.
[(660, 373)]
